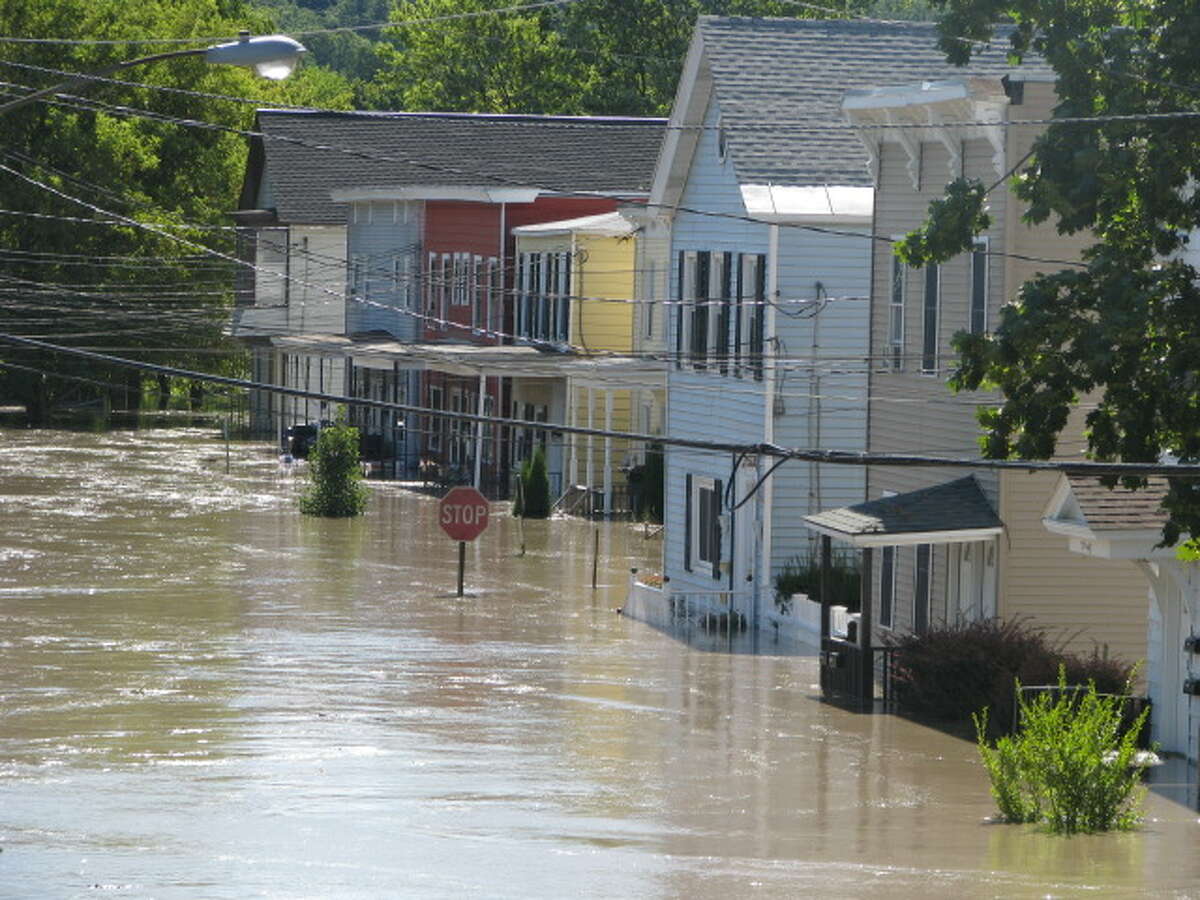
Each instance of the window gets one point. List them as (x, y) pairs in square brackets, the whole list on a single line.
[(723, 262), (481, 279), (701, 288), (929, 319), (896, 315), (544, 306), (921, 583), (702, 524), (752, 300), (358, 276), (887, 586), (722, 141), (979, 287)]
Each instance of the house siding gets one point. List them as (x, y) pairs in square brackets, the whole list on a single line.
[(703, 405), (378, 235)]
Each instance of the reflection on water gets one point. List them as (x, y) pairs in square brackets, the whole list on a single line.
[(203, 694)]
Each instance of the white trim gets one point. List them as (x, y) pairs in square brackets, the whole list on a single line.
[(438, 192), (905, 539)]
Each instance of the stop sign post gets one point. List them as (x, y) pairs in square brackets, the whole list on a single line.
[(463, 515)]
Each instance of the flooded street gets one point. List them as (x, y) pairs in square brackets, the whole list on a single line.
[(204, 694)]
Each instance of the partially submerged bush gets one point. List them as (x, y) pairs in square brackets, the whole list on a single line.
[(1071, 765), (952, 671), (533, 498), (335, 489)]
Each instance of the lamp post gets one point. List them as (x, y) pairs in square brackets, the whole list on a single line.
[(274, 57)]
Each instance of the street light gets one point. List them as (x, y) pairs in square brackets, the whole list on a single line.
[(274, 56)]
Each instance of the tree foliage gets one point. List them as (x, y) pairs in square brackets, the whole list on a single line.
[(592, 57), (121, 147), (1121, 329)]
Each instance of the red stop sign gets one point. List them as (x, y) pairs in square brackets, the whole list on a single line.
[(463, 513)]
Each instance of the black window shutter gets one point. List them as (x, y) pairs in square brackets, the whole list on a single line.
[(679, 312), (737, 319), (715, 518), (687, 522)]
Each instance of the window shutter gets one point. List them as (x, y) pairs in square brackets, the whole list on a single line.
[(679, 317), (687, 522), (715, 518)]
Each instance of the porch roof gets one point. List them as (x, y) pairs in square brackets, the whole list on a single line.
[(472, 360), (953, 512), (1112, 523)]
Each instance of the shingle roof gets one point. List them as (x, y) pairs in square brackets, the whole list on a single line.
[(306, 155), (780, 74), (1119, 508), (953, 506)]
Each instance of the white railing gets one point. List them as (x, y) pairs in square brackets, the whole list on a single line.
[(667, 608)]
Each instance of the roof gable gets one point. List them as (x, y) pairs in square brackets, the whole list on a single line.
[(779, 84), (306, 155)]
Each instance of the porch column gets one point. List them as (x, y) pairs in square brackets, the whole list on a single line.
[(608, 411), (572, 439), (826, 565), (867, 681), (591, 454), (479, 430)]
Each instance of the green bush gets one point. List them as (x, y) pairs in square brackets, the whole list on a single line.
[(335, 488), (533, 500), (1071, 766), (951, 671), (650, 488), (802, 575)]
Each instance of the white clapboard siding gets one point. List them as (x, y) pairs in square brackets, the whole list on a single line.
[(379, 235), (707, 405), (318, 270)]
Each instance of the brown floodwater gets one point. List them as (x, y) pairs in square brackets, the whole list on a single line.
[(205, 695)]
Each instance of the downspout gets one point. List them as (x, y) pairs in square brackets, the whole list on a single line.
[(767, 491)]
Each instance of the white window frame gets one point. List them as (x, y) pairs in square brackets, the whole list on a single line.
[(703, 504), (936, 355), (897, 287), (979, 256)]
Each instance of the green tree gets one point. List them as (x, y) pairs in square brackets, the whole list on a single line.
[(67, 273), (1122, 327), (335, 489), (593, 57)]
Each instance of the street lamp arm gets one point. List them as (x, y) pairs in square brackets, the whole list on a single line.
[(272, 57)]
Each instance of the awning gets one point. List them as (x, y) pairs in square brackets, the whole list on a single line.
[(471, 360), (954, 512)]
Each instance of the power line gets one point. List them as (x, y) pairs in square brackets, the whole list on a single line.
[(831, 457)]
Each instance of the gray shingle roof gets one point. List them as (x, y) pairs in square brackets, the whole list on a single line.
[(953, 506), (305, 156), (783, 73), (1119, 508)]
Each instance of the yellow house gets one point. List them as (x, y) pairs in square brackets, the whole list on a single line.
[(576, 297)]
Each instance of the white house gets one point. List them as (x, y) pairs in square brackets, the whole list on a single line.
[(769, 200)]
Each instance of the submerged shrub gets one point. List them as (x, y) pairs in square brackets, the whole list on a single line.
[(952, 671), (533, 499), (335, 488), (1071, 765)]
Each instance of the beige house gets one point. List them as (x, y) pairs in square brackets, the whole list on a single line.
[(945, 549)]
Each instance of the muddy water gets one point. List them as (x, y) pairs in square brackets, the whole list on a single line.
[(203, 694)]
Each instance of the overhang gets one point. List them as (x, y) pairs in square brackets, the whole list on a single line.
[(954, 512), (473, 360)]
